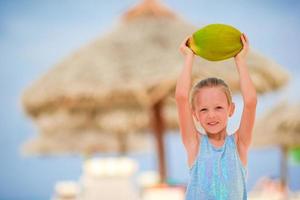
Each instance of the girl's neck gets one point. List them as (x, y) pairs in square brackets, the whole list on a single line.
[(217, 136)]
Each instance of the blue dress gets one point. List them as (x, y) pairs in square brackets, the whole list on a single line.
[(217, 173)]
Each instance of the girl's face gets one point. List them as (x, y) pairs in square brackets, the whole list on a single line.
[(212, 109)]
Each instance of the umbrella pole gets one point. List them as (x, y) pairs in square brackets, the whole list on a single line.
[(284, 168), (157, 122), (122, 140)]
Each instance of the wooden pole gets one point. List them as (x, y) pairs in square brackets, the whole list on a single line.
[(284, 166), (284, 171), (158, 126)]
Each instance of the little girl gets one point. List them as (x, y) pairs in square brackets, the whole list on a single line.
[(217, 160)]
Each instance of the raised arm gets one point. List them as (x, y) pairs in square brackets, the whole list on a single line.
[(249, 98), (188, 131)]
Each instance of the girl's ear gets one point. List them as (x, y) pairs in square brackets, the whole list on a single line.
[(231, 109)]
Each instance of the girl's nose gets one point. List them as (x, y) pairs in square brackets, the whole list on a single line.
[(211, 114)]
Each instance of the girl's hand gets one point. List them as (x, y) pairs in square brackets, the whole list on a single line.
[(243, 53), (184, 49)]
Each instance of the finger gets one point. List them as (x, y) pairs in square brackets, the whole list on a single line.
[(188, 37), (243, 39), (186, 40), (246, 41), (182, 45), (246, 38)]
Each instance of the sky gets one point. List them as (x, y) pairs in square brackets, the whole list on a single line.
[(35, 35)]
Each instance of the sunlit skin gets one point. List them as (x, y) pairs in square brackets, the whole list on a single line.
[(212, 111)]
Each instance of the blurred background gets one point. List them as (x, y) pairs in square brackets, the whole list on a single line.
[(36, 36)]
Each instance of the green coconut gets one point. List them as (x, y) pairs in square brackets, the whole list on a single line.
[(216, 42)]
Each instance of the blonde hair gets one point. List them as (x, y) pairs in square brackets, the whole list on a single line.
[(210, 82)]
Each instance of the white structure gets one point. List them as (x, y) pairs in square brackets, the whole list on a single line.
[(163, 193), (108, 179), (66, 190)]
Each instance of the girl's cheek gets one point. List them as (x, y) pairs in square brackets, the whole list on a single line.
[(201, 117)]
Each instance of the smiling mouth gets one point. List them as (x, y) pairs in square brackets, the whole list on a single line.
[(212, 123)]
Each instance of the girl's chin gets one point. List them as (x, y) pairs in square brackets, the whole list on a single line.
[(213, 131)]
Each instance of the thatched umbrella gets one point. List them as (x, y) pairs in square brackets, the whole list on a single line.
[(132, 69), (279, 127)]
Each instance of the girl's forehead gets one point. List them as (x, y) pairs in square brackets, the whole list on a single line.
[(209, 95)]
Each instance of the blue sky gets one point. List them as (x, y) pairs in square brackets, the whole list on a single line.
[(35, 35)]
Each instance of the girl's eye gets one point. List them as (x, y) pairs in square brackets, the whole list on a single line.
[(219, 107), (203, 110)]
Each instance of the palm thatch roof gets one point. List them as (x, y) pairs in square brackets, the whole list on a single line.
[(86, 143), (280, 126)]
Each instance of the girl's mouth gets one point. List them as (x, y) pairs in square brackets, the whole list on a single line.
[(212, 123)]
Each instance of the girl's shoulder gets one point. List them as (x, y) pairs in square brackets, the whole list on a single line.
[(234, 135)]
